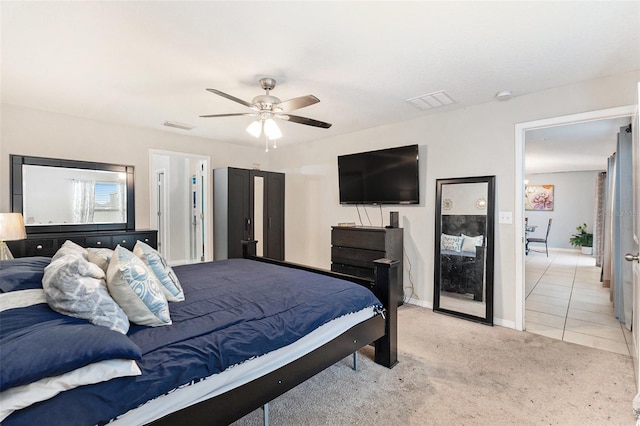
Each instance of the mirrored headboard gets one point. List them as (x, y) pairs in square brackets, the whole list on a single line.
[(56, 195)]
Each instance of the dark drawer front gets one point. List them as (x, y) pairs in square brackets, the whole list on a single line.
[(149, 238), (355, 257), (101, 241), (353, 270), (358, 238), (42, 247), (126, 241)]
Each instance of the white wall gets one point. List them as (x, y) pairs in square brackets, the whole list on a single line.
[(575, 197), (472, 141), (27, 131)]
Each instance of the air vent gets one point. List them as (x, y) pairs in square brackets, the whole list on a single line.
[(432, 100), (178, 125)]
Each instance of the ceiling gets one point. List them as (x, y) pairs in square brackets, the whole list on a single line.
[(142, 63)]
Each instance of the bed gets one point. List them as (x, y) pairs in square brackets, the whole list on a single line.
[(208, 366)]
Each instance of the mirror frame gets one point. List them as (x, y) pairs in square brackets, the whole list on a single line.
[(16, 181), (489, 247)]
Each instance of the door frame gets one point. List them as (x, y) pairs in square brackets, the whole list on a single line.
[(208, 191), (520, 129)]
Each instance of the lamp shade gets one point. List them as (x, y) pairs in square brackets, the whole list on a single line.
[(271, 129), (255, 128), (12, 227)]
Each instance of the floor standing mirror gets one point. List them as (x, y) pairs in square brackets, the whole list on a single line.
[(465, 209)]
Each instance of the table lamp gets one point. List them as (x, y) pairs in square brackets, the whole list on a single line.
[(11, 229)]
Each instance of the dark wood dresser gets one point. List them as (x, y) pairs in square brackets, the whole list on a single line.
[(354, 248), (47, 244)]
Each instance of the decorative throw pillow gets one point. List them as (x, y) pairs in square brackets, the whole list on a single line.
[(136, 289), (450, 242), (469, 244), (158, 265), (74, 286), (100, 256), (69, 247)]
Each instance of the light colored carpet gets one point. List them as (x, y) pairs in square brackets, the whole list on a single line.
[(456, 372)]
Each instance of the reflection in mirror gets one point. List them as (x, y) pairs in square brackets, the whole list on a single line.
[(64, 196), (464, 247)]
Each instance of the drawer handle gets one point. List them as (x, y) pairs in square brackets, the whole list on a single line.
[(146, 240), (98, 243), (124, 241), (39, 247)]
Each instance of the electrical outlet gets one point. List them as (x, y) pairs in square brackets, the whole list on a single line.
[(505, 217)]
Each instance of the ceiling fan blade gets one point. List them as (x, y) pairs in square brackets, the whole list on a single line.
[(233, 114), (304, 120), (297, 103), (231, 98)]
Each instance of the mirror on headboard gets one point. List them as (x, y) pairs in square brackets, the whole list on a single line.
[(56, 195)]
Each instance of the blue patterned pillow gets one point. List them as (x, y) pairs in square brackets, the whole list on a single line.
[(136, 289), (158, 265), (450, 242)]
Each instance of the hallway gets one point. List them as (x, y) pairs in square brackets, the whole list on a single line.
[(565, 300)]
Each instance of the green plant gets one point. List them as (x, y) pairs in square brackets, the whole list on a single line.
[(582, 238)]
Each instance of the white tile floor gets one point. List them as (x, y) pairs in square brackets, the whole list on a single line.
[(565, 300)]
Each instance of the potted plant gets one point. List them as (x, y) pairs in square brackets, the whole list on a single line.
[(582, 239)]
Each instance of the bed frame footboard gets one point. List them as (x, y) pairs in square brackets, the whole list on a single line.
[(380, 330)]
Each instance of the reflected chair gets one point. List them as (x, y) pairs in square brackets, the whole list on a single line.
[(540, 240)]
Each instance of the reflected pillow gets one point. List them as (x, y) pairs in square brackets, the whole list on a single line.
[(136, 289), (451, 242), (158, 265), (469, 244)]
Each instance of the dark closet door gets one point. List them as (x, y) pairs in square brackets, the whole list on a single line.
[(240, 220), (274, 216)]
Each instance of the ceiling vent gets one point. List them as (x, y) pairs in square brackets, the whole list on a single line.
[(432, 100), (178, 125)]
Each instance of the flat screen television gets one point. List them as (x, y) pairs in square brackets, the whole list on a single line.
[(386, 176)]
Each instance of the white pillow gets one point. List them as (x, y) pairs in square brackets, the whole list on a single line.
[(469, 244), (100, 256), (136, 289), (450, 242), (74, 286), (69, 247), (158, 265), (20, 397)]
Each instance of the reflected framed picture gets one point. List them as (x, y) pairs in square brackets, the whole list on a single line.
[(539, 198)]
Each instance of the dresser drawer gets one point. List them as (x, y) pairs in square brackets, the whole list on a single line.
[(365, 273), (126, 241), (358, 238), (43, 247), (149, 238), (99, 241), (355, 257)]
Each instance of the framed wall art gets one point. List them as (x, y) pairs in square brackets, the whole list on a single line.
[(539, 198)]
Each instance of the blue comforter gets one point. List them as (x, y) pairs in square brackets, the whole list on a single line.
[(234, 310)]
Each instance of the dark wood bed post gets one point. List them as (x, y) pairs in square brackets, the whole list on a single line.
[(385, 287)]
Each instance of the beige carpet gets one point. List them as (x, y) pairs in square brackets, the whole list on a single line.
[(456, 372)]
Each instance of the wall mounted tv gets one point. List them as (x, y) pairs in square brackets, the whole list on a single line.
[(386, 176)]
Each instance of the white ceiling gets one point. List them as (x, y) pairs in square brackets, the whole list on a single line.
[(142, 63)]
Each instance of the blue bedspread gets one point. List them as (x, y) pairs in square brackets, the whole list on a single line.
[(234, 310)]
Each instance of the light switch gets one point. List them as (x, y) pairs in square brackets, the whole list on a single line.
[(505, 217)]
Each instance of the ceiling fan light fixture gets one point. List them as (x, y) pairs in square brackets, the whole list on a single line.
[(255, 128), (271, 129)]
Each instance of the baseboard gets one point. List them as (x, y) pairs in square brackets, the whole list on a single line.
[(429, 305)]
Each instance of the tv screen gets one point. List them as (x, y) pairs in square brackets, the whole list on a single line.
[(386, 176)]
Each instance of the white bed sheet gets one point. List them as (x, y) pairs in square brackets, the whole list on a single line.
[(242, 373)]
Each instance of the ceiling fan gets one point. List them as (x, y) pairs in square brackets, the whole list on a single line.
[(267, 107)]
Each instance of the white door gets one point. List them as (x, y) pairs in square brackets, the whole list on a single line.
[(633, 257), (161, 211)]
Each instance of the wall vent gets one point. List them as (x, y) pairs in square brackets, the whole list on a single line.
[(432, 100)]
